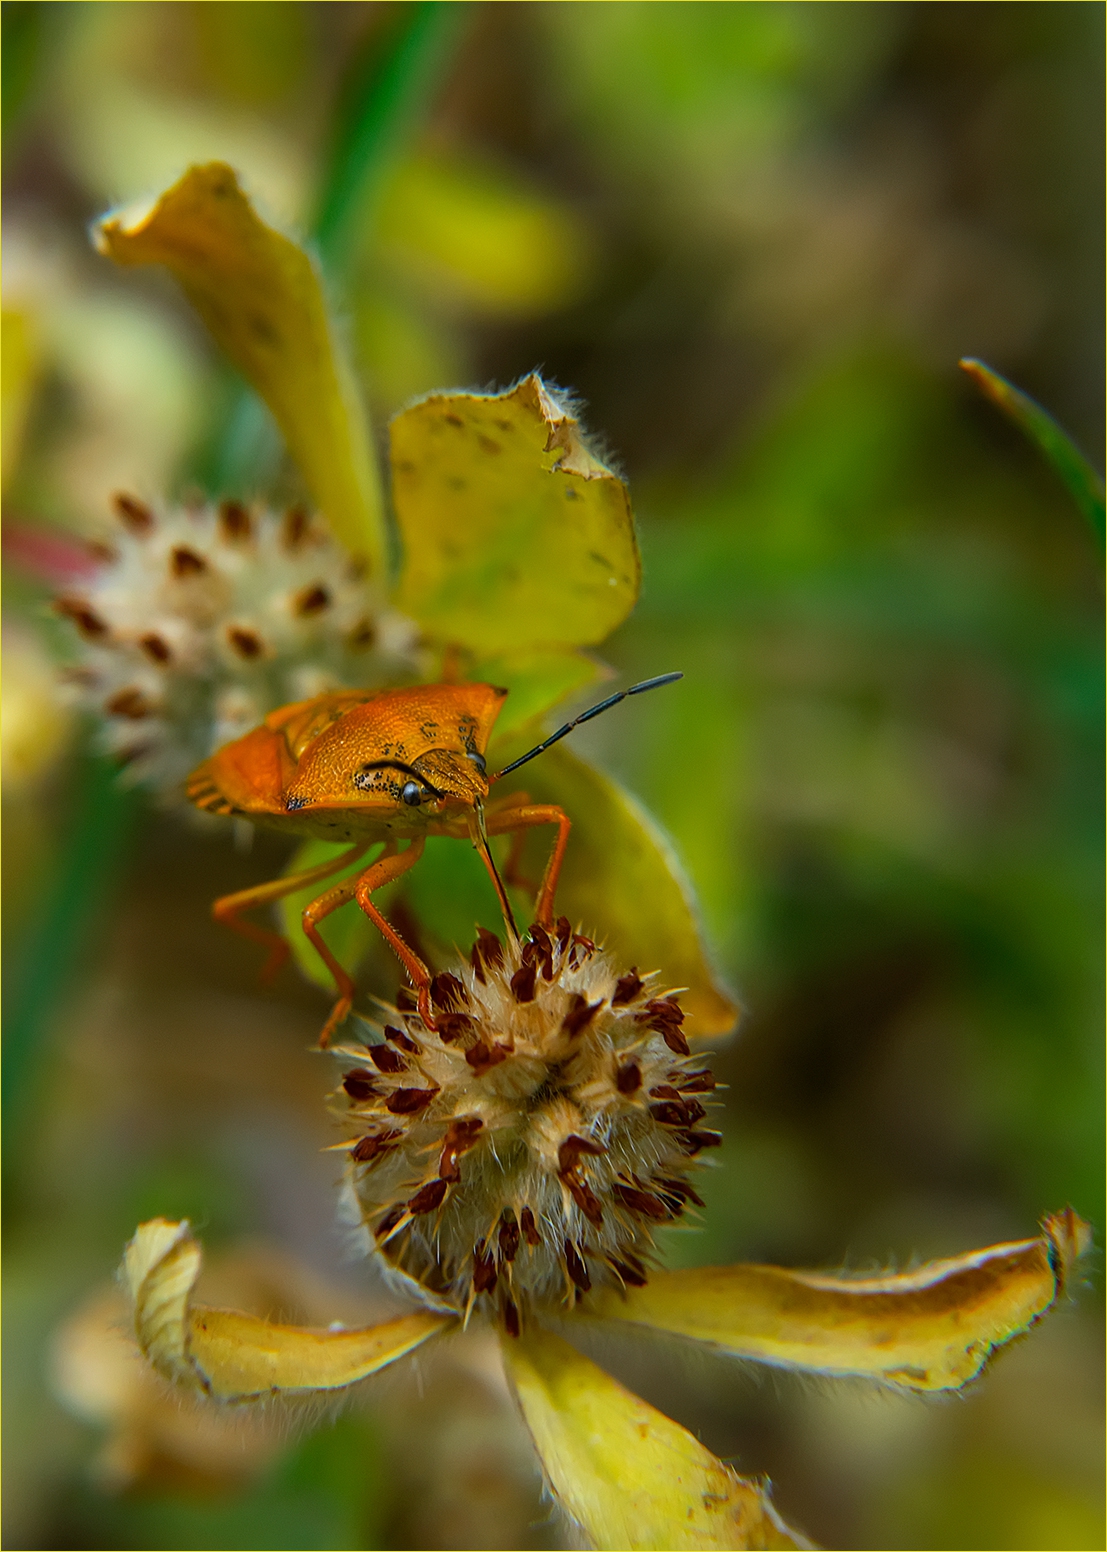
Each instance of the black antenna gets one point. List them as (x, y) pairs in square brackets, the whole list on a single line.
[(586, 716)]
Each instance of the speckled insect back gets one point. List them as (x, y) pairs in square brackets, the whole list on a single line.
[(524, 1152), (200, 620)]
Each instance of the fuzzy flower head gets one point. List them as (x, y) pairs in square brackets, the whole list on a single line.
[(526, 1151), (200, 619)]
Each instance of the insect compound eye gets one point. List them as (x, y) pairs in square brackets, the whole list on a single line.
[(412, 794), (478, 760)]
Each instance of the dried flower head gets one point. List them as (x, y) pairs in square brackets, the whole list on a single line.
[(199, 620), (526, 1149)]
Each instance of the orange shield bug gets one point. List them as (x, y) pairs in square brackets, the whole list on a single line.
[(378, 766)]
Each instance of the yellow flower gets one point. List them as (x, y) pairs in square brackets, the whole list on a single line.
[(509, 1169)]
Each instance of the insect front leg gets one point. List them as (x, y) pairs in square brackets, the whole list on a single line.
[(384, 871), (228, 910), (509, 820)]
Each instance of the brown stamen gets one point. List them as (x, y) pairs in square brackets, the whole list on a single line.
[(360, 1084), (627, 988), (427, 1199), (234, 520), (628, 1079), (185, 563), (134, 514), (408, 1101), (576, 1268)]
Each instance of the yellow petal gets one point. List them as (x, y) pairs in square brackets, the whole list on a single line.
[(931, 1329), (237, 1357), (514, 534), (261, 297), (622, 882), (629, 1476)]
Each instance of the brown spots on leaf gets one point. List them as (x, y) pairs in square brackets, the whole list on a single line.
[(576, 1268), (427, 1199), (529, 1228), (234, 521), (134, 514), (628, 1078), (184, 563), (451, 419), (85, 618), (310, 600), (360, 1084), (130, 703), (627, 988), (246, 643), (488, 445), (156, 648), (409, 1101)]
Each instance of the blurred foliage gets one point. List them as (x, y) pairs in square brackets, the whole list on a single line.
[(757, 238)]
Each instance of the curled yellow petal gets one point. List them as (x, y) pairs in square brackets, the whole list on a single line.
[(628, 1475), (261, 297), (926, 1330), (237, 1357), (515, 536)]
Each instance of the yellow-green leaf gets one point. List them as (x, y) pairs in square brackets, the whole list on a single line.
[(535, 680), (237, 1357), (622, 883), (515, 535), (262, 299), (927, 1330), (625, 1473)]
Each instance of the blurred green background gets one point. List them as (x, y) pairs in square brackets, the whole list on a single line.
[(755, 238)]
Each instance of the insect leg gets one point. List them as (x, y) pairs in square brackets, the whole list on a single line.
[(228, 910), (506, 821), (383, 871), (338, 895)]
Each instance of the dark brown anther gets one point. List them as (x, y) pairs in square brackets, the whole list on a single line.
[(87, 621), (397, 1037), (628, 1079), (408, 1101), (385, 1059), (576, 1268), (360, 1084), (544, 949), (460, 1136), (627, 988), (367, 1148), (697, 1082), (632, 1278), (580, 1015), (482, 1056), (582, 950), (672, 1112), (102, 554), (362, 637), (674, 1039), (451, 1026), (134, 514), (155, 647), (529, 1228), (664, 1091), (485, 1270), (389, 1221), (664, 1015), (511, 1316), (310, 600), (586, 1201), (523, 983), (489, 948), (694, 1141), (678, 1188), (129, 703), (509, 1235), (478, 964), (406, 1000), (294, 528), (184, 563), (247, 643), (568, 1155), (234, 521), (448, 994), (564, 930), (640, 1202), (427, 1199)]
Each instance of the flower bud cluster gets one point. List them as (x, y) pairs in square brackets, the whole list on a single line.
[(525, 1149), (201, 620)]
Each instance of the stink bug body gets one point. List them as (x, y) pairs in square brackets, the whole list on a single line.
[(369, 767)]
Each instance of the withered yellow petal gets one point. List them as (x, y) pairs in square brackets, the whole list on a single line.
[(514, 535), (262, 299), (628, 1475), (238, 1357), (622, 881), (926, 1330)]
